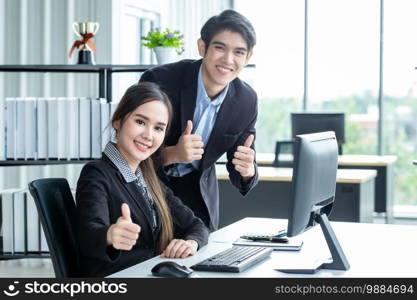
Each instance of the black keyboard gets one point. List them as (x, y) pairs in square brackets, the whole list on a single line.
[(235, 259)]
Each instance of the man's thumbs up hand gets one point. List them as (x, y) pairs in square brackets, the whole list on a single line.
[(189, 128), (189, 146), (244, 158)]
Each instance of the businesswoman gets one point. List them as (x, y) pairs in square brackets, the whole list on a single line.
[(125, 215)]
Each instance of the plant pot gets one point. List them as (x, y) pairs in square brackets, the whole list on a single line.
[(165, 55)]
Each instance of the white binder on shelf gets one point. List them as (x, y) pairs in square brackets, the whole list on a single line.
[(95, 129), (52, 128), (32, 224), (42, 128), (30, 128), (6, 220), (113, 107), (62, 116), (56, 128), (73, 130), (3, 129), (85, 127), (104, 121), (19, 217), (10, 128), (20, 128)]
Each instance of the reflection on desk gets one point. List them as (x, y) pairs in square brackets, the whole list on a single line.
[(344, 160), (285, 174), (366, 246)]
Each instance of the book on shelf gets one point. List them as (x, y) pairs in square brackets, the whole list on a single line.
[(33, 226), (95, 129), (42, 128), (73, 128), (7, 223), (19, 219), (20, 128), (10, 128), (20, 227), (293, 244), (55, 128), (30, 128), (104, 122), (85, 127), (52, 104)]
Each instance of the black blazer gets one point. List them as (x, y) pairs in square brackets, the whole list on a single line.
[(101, 190), (234, 123)]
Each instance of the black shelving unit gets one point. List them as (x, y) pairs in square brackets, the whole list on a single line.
[(105, 91), (104, 72)]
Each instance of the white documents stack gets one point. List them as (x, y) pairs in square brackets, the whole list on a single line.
[(113, 107), (85, 127), (52, 128), (56, 128), (73, 130), (20, 128), (10, 128), (104, 120), (30, 128), (19, 228), (42, 128), (6, 228), (95, 129)]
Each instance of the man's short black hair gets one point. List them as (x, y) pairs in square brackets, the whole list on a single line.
[(229, 20)]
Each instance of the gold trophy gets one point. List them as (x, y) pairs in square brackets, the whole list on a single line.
[(85, 30)]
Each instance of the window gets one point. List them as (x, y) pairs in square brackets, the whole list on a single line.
[(400, 95), (343, 67), (134, 20), (278, 77)]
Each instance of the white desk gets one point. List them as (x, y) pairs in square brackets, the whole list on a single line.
[(373, 250)]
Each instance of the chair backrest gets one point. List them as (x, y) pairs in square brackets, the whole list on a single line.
[(283, 147), (56, 209)]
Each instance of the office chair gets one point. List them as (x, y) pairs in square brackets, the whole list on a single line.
[(56, 209), (283, 147)]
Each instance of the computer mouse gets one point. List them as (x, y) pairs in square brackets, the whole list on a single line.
[(171, 269)]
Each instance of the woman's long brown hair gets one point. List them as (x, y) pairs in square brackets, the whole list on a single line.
[(135, 96)]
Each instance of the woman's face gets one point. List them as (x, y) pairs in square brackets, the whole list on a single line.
[(142, 132)]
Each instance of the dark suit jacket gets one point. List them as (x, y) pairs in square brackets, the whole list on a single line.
[(101, 190), (234, 123)]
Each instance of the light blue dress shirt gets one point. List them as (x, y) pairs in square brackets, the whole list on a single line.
[(205, 115)]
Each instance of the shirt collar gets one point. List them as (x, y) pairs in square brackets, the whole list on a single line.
[(118, 160), (202, 93)]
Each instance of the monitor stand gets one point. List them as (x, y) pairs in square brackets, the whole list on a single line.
[(339, 260)]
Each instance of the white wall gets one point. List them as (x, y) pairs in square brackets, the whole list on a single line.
[(40, 32)]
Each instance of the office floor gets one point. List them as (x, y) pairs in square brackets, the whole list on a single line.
[(30, 267), (43, 267)]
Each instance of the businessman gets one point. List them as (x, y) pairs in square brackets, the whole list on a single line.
[(214, 113)]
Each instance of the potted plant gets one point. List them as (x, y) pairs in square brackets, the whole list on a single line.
[(164, 44)]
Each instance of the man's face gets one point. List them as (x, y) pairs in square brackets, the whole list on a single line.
[(225, 57)]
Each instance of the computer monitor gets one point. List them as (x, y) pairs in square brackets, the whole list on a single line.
[(313, 193), (304, 123)]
